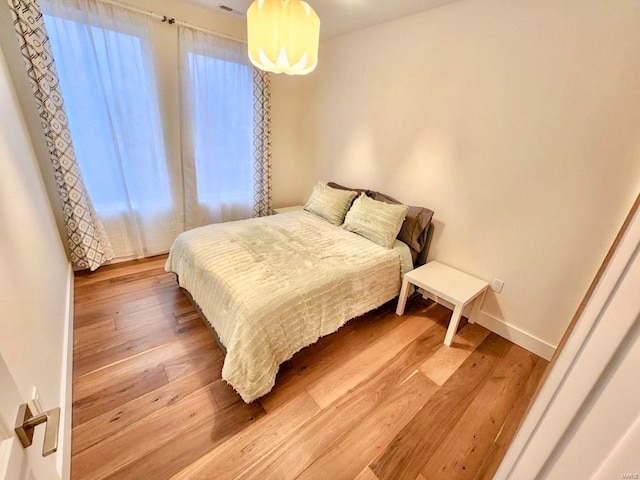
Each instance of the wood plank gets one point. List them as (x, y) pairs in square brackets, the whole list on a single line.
[(463, 450), (85, 316), (396, 380), (93, 342), (253, 443), (352, 373), (130, 300), (97, 402), (123, 289), (175, 455), (85, 278), (224, 393), (166, 297), (411, 448), (108, 287), (118, 419), (441, 365), (144, 436), (361, 445), (177, 301), (355, 450), (367, 474), (91, 362), (491, 462), (186, 316), (320, 358), (519, 410), (208, 357), (110, 377), (93, 333)]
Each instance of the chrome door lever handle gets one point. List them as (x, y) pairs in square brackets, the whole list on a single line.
[(26, 424)]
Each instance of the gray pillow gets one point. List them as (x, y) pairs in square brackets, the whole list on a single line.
[(329, 203), (357, 190), (414, 229), (379, 222)]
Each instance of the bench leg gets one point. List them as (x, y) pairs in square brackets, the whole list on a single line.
[(453, 325), (477, 303), (402, 299)]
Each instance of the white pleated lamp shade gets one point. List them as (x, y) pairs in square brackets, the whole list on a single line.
[(283, 36)]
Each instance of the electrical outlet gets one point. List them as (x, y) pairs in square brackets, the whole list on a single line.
[(497, 285)]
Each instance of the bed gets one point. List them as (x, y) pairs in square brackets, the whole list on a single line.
[(270, 286)]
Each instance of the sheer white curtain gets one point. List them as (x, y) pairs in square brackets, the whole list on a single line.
[(217, 100), (103, 57)]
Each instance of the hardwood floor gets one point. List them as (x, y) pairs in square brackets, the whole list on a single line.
[(382, 398)]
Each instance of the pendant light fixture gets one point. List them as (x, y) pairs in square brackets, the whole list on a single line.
[(283, 36)]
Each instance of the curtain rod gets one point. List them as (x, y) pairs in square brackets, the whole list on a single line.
[(171, 21)]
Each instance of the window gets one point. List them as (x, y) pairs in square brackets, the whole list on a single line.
[(223, 128), (105, 68), (113, 115), (103, 55), (218, 98)]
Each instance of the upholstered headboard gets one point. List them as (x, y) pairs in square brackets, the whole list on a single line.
[(417, 229)]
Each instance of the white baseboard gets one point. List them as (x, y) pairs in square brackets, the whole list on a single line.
[(63, 462), (515, 335), (502, 328)]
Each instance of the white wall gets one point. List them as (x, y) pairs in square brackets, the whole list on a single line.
[(13, 58), (293, 172), (516, 122), (35, 273), (584, 422)]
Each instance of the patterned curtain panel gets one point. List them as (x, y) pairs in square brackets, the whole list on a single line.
[(262, 143), (90, 247)]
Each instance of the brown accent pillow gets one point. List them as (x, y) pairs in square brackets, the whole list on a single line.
[(368, 193), (417, 222), (381, 197), (414, 229), (359, 190)]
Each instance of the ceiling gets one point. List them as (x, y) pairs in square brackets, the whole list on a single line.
[(342, 16)]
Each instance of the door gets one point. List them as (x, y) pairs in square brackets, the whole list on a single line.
[(13, 462), (17, 463), (36, 282)]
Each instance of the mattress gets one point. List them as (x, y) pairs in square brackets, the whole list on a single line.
[(271, 286)]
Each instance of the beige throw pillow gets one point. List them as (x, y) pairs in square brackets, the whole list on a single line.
[(329, 203), (379, 222)]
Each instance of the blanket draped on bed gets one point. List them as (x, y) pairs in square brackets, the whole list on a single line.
[(271, 286)]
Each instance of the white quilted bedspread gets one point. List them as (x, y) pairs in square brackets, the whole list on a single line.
[(271, 286)]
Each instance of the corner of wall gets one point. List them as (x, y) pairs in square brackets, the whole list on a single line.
[(63, 462)]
